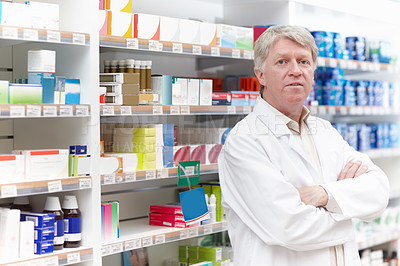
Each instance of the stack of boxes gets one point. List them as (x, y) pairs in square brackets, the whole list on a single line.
[(213, 188), (121, 88), (110, 220), (169, 215)]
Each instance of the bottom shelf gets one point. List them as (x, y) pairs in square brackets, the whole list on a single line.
[(59, 257), (138, 233), (377, 239)]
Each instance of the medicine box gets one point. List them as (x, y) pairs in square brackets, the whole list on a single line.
[(198, 153), (146, 26), (162, 84), (122, 99), (181, 153), (193, 91), (240, 98), (127, 161), (44, 234), (169, 29), (42, 61), (208, 34), (72, 91), (4, 91), (179, 91), (112, 87), (12, 168), (189, 31), (177, 224), (226, 36), (41, 220), (206, 86), (244, 38), (43, 15), (119, 24), (44, 247), (25, 93), (212, 153), (26, 239), (14, 14), (133, 78), (118, 5), (173, 208), (221, 98)]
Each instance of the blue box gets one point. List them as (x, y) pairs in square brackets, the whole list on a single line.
[(44, 234), (78, 149), (168, 156), (240, 98), (320, 41), (162, 84), (40, 220), (72, 91), (44, 247)]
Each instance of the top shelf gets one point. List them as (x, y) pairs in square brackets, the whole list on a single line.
[(18, 35), (175, 48), (355, 65)]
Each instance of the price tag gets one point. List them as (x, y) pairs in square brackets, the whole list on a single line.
[(8, 191), (235, 53), (353, 110), (332, 110), (177, 48), (78, 38), (150, 174), (10, 33), (157, 110), (160, 239), (247, 54), (185, 110), (352, 65), (108, 110), (343, 63), (73, 258), (343, 110), (153, 45), (174, 110), (208, 229), (367, 110), (119, 178), (126, 110), (17, 111), (52, 261), (54, 186), (189, 170), (117, 248), (130, 177), (246, 109), (133, 244), (85, 183), (82, 110), (66, 110), (31, 35), (193, 232), (109, 179), (231, 110), (147, 241), (196, 50), (33, 111), (215, 51), (53, 36), (49, 111), (332, 62), (184, 234), (162, 173), (132, 43), (322, 110), (364, 66), (375, 110), (160, 47), (320, 62), (371, 66), (105, 250)]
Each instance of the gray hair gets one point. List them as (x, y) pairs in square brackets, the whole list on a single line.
[(274, 33)]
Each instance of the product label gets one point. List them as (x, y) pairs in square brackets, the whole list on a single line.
[(72, 229), (59, 228)]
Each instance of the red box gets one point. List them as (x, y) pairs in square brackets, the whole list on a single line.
[(167, 208)]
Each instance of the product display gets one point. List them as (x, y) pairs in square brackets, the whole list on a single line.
[(72, 222)]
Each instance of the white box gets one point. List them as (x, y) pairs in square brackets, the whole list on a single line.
[(14, 14), (119, 5), (146, 26), (128, 161), (119, 24), (9, 234), (193, 91), (12, 168), (189, 31), (42, 61), (179, 91), (169, 29), (206, 86), (102, 22), (26, 239), (208, 34), (43, 15), (41, 164), (226, 36)]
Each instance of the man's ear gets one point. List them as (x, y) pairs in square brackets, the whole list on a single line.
[(260, 76)]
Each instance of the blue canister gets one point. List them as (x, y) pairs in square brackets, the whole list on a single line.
[(320, 41), (352, 136), (370, 93), (318, 91), (337, 45), (349, 93), (363, 137), (373, 136), (394, 132), (356, 48), (329, 45), (378, 93), (361, 93), (339, 98)]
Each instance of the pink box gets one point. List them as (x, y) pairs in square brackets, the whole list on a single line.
[(167, 209), (166, 217), (198, 153), (212, 153), (176, 224), (107, 220), (181, 153)]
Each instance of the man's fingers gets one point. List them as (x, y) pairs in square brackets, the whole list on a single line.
[(353, 170), (344, 171), (363, 170)]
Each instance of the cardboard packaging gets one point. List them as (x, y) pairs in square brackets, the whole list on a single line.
[(15, 14), (181, 153), (173, 208), (9, 232), (119, 24), (131, 78), (26, 239), (148, 98), (12, 168), (4, 91), (72, 91), (102, 22), (226, 36), (198, 153), (189, 31), (206, 86), (127, 161), (169, 29), (118, 88), (43, 15), (118, 5), (244, 38), (146, 26), (162, 84), (44, 247), (193, 91), (212, 153), (221, 98), (59, 90), (121, 99), (25, 93), (40, 220), (240, 98), (44, 234), (179, 91), (208, 34)]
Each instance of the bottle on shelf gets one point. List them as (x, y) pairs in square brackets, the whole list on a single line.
[(130, 66), (114, 66), (53, 206), (107, 66), (394, 261), (148, 75), (212, 208), (121, 66), (22, 204), (72, 222), (143, 86)]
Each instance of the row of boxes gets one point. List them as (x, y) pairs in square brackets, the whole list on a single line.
[(154, 27), (235, 98), (109, 220), (120, 88), (199, 255)]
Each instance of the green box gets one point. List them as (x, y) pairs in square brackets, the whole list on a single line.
[(25, 94), (4, 92), (194, 254), (213, 254), (183, 255)]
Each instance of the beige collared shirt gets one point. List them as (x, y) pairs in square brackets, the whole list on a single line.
[(303, 135)]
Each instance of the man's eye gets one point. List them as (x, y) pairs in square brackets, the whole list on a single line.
[(303, 62), (280, 62)]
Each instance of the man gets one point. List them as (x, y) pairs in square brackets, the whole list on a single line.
[(290, 183)]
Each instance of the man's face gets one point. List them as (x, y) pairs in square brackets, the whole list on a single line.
[(288, 75)]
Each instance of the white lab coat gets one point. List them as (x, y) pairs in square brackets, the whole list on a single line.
[(260, 167)]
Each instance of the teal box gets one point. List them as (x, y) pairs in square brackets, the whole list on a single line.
[(45, 79), (72, 91), (25, 93), (162, 84), (4, 91)]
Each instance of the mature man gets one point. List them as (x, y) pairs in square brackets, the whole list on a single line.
[(290, 183)]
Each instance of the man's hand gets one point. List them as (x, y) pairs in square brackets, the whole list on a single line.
[(352, 170), (313, 195)]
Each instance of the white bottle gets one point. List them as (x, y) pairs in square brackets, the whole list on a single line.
[(204, 222), (212, 209)]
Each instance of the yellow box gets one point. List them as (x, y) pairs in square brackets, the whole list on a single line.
[(119, 24), (144, 140), (149, 165), (119, 5)]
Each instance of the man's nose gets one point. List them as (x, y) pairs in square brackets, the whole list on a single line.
[(294, 68)]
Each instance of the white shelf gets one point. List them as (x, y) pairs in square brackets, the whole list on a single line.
[(356, 65), (175, 48), (377, 239), (383, 153), (66, 256), (43, 186), (44, 110), (138, 233), (325, 110), (19, 34), (144, 175)]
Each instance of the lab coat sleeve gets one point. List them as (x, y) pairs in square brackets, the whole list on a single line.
[(364, 197), (256, 191)]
